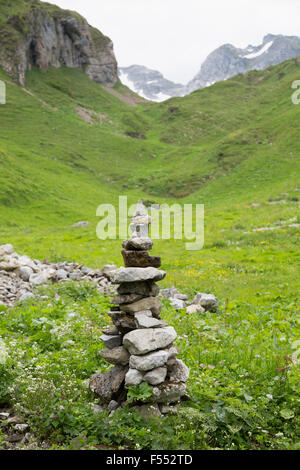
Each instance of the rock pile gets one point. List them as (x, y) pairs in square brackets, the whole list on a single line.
[(19, 275), (140, 344), (201, 303)]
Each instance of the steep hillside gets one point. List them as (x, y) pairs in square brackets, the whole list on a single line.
[(239, 135), (38, 34)]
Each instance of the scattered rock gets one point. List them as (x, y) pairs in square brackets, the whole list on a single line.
[(19, 275), (80, 224), (194, 308), (144, 321), (179, 372), (178, 304), (21, 427), (148, 411), (7, 249), (25, 272), (208, 301), (61, 275)]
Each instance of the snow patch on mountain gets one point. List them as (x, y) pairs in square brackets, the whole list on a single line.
[(264, 49)]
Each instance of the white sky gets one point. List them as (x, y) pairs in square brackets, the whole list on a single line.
[(175, 36)]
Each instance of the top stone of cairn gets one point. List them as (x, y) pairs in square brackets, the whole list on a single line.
[(140, 222), (140, 241)]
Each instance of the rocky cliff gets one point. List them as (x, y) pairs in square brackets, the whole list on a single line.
[(37, 34)]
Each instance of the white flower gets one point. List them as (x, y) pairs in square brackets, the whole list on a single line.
[(269, 396)]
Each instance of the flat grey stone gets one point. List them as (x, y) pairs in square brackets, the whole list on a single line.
[(155, 376), (133, 378), (140, 342), (149, 303), (144, 321), (143, 288), (118, 355), (168, 393), (61, 275), (207, 301), (111, 341), (146, 313), (194, 308), (8, 249), (149, 361), (25, 272), (136, 274)]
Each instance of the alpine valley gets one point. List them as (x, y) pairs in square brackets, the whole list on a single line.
[(72, 137)]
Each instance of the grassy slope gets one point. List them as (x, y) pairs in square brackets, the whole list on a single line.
[(229, 146)]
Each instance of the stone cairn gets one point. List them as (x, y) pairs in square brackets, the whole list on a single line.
[(140, 344)]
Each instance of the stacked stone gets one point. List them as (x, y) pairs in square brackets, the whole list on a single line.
[(140, 343)]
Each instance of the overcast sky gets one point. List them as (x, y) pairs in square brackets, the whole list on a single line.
[(175, 36)]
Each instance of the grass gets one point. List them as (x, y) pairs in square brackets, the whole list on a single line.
[(234, 147), (243, 384)]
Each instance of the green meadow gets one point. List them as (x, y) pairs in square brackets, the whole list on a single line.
[(68, 145)]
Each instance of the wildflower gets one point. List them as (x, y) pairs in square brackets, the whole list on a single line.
[(213, 411), (269, 396)]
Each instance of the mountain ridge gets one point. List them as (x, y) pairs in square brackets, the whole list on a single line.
[(221, 64), (38, 34)]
